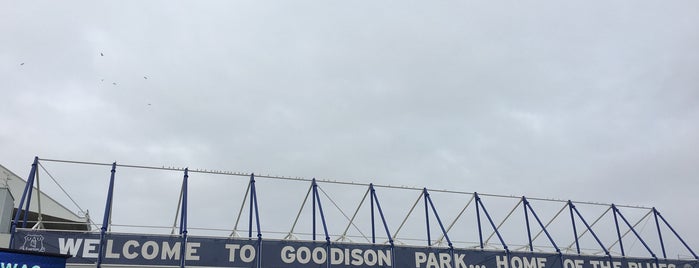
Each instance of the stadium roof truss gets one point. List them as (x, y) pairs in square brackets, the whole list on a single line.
[(487, 227)]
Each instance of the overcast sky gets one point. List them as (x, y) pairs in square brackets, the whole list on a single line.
[(590, 101)]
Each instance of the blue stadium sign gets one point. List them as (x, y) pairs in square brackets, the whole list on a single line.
[(151, 250), (30, 259)]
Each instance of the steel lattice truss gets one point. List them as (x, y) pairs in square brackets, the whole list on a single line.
[(514, 224)]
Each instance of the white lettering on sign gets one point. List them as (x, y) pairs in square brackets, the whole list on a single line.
[(246, 253), (132, 249), (319, 255), (519, 262), (650, 265), (569, 263), (439, 260)]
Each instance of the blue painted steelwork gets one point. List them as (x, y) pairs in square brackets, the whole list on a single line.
[(383, 219), (373, 198), (436, 215), (315, 197), (429, 205), (107, 215), (27, 192), (529, 207), (371, 202), (616, 211), (427, 217), (676, 235), (575, 229), (618, 233), (492, 224), (526, 219), (478, 220), (253, 205), (572, 208), (660, 234), (183, 220)]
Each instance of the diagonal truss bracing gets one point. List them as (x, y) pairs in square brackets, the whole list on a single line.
[(315, 192)]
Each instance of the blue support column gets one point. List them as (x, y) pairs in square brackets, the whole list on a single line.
[(183, 220), (28, 188), (616, 211), (29, 194), (316, 197), (428, 202), (478, 219), (618, 232), (676, 234), (383, 219), (526, 219), (575, 230), (660, 234), (526, 204), (371, 201), (107, 215), (425, 196), (606, 252), (254, 210), (492, 224), (314, 186), (439, 221)]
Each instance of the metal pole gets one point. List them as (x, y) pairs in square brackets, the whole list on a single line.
[(478, 219), (526, 219), (618, 232), (29, 195), (39, 217), (427, 216), (676, 235), (383, 219), (575, 231), (660, 234), (322, 217), (252, 193), (590, 229), (543, 228), (183, 220), (492, 224), (373, 226), (257, 212), (315, 194), (439, 221), (634, 232), (107, 215), (27, 189)]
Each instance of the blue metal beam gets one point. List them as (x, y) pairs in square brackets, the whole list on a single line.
[(436, 215), (660, 234), (527, 205), (492, 224), (183, 220), (616, 211), (425, 196), (383, 219), (572, 207), (676, 234), (316, 197), (107, 215), (28, 188), (618, 232)]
